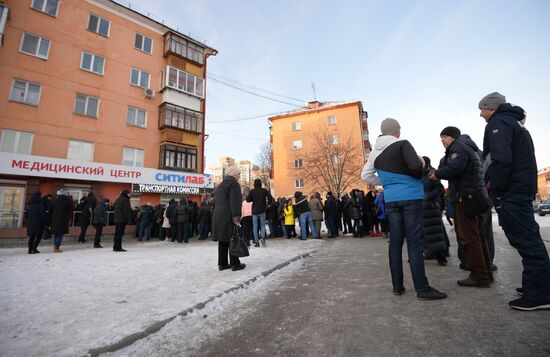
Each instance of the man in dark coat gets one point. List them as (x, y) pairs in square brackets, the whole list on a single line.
[(145, 222), (260, 198), (100, 220), (86, 216), (204, 219), (511, 179), (35, 222), (61, 211), (47, 203), (331, 207), (123, 216), (182, 216), (227, 215), (346, 213), (170, 214)]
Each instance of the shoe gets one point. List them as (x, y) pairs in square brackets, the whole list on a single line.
[(240, 267), (431, 294), (469, 282), (98, 246), (399, 291), (256, 244), (57, 250), (525, 304), (139, 239), (464, 266), (263, 243), (493, 267), (442, 261), (36, 251), (32, 252), (519, 291), (223, 267), (119, 250)]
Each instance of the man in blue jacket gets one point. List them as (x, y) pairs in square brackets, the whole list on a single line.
[(511, 181)]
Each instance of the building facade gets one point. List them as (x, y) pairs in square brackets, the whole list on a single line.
[(330, 137), (95, 96), (544, 184), (249, 171)]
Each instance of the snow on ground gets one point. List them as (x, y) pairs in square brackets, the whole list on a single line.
[(66, 304)]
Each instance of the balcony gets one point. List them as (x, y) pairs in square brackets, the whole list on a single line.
[(173, 116), (178, 158), (181, 47)]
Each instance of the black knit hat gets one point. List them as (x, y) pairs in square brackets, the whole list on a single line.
[(451, 131)]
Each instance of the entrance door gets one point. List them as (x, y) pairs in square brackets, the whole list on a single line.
[(12, 206)]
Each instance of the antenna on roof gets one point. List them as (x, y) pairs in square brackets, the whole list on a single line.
[(314, 94)]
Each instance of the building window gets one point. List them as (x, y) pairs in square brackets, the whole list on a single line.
[(296, 126), (181, 118), (80, 150), (178, 157), (35, 45), (184, 48), (331, 120), (333, 139), (336, 179), (297, 144), (184, 81), (86, 105), (25, 92), (335, 159), (298, 163), (143, 43), (365, 135), (139, 78), (136, 117), (92, 63), (99, 25), (299, 183), (17, 142), (48, 6), (132, 157)]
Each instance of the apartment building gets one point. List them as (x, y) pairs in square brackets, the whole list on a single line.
[(320, 144), (96, 96), (249, 171), (543, 180)]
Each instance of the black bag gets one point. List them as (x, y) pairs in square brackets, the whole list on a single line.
[(237, 245), (473, 202)]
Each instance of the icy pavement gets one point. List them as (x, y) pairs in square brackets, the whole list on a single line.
[(82, 299)]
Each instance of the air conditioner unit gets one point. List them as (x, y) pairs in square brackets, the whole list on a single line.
[(149, 93)]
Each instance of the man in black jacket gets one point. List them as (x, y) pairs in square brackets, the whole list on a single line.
[(511, 180), (123, 216), (260, 198)]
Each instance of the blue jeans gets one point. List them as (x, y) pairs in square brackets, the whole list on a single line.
[(305, 219), (406, 220), (203, 228), (283, 227), (258, 219), (332, 226), (272, 228), (57, 240), (515, 216)]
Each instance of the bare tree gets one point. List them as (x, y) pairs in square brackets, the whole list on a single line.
[(331, 163), (265, 161)]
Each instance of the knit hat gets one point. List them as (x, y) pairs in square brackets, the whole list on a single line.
[(492, 101), (451, 131), (389, 126), (232, 171)]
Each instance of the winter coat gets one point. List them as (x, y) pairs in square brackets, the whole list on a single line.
[(316, 208), (87, 209), (346, 207), (165, 220), (289, 215), (158, 214), (509, 154), (356, 203), (100, 214), (170, 211), (434, 239), (331, 207), (61, 210), (47, 203), (379, 205), (272, 212), (227, 206), (122, 209), (146, 216), (204, 216), (260, 198), (182, 213), (300, 204), (36, 216)]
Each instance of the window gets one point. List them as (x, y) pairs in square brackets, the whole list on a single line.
[(25, 92), (184, 81), (182, 118), (365, 135), (92, 63), (184, 48), (139, 78), (17, 142), (132, 157), (335, 159), (296, 126), (99, 25), (296, 144), (298, 163), (86, 105), (35, 45), (136, 117), (80, 150), (331, 120), (333, 139), (336, 179), (143, 43), (178, 157), (48, 6), (299, 183)]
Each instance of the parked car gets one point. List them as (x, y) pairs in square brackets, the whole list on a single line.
[(544, 208)]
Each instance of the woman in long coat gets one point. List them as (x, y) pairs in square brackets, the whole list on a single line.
[(227, 214), (100, 220), (36, 218), (61, 210)]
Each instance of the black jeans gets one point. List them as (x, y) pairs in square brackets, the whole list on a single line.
[(119, 232), (82, 236), (98, 231), (223, 252), (515, 216)]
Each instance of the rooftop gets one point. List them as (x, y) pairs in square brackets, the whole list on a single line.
[(316, 106)]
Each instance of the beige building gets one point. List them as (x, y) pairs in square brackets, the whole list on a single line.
[(249, 171)]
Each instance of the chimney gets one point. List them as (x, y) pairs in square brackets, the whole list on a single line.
[(314, 105)]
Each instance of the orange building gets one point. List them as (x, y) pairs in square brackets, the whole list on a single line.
[(544, 184), (297, 136), (95, 96)]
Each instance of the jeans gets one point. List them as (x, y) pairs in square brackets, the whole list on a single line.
[(332, 226), (82, 235), (98, 232), (203, 228), (272, 228), (515, 216), (57, 240), (283, 228), (406, 220), (305, 220), (258, 219)]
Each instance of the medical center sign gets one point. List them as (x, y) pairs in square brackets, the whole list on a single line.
[(29, 165)]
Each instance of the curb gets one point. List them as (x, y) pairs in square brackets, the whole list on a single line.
[(157, 326)]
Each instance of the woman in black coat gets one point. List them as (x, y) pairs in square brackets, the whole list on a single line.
[(227, 214), (100, 220), (61, 210), (36, 217)]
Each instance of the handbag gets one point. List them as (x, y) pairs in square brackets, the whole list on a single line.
[(473, 202), (237, 244)]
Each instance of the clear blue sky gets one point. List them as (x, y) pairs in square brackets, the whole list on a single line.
[(425, 63)]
